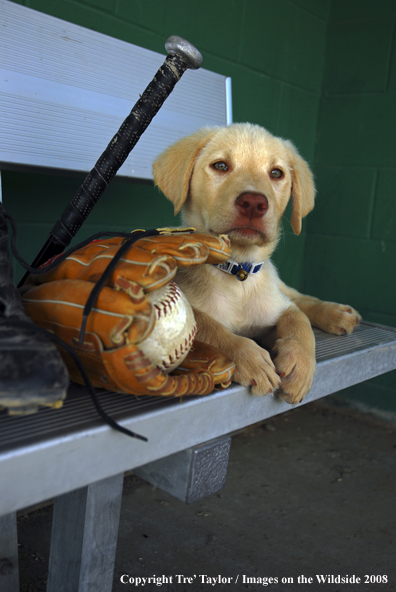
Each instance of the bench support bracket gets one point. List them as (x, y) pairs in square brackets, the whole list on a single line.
[(191, 474)]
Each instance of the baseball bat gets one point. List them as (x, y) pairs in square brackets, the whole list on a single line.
[(182, 55)]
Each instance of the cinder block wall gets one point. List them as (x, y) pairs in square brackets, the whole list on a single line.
[(350, 247)]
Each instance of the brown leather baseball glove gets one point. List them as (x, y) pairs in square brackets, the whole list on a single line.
[(108, 301)]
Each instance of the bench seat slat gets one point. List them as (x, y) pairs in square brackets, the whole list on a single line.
[(56, 447), (65, 90)]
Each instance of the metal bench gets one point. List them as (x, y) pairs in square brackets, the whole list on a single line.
[(68, 454)]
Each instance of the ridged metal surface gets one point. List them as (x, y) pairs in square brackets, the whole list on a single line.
[(65, 90), (366, 336), (78, 411)]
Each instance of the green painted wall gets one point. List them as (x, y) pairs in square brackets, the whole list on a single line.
[(350, 248), (320, 72)]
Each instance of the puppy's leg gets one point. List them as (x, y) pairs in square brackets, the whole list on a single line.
[(293, 349), (328, 316), (253, 365)]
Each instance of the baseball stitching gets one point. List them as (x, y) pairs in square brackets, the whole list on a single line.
[(165, 307), (181, 352)]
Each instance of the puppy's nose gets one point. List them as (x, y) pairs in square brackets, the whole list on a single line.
[(252, 205)]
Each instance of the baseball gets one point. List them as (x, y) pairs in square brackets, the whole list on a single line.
[(174, 331)]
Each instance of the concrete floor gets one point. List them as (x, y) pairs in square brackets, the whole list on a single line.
[(309, 493)]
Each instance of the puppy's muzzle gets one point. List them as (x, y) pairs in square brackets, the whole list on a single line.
[(252, 205)]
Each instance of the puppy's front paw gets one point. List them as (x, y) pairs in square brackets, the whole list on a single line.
[(339, 319), (254, 367), (296, 366)]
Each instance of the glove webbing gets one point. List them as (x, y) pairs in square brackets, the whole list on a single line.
[(108, 271)]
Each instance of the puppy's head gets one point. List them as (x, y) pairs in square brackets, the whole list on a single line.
[(236, 180)]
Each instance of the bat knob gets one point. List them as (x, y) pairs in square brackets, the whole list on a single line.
[(176, 45)]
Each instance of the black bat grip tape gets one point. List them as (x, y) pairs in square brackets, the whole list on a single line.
[(118, 149)]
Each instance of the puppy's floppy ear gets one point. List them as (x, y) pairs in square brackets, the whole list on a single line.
[(303, 188), (173, 168)]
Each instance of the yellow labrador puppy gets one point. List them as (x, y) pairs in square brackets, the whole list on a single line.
[(237, 181)]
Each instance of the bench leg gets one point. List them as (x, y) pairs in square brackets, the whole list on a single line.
[(84, 538), (9, 574), (191, 474)]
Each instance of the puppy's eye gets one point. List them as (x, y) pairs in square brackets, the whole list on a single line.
[(276, 174), (220, 166)]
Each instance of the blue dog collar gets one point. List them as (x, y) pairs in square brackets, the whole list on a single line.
[(240, 270)]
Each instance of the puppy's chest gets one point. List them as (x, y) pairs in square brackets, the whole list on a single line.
[(244, 308)]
